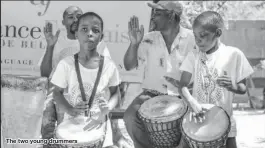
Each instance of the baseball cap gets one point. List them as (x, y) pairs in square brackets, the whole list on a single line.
[(174, 6)]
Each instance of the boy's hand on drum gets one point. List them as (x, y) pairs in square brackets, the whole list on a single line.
[(99, 117), (93, 123), (104, 108), (197, 112), (199, 117)]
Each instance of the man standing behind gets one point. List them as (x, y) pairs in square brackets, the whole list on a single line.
[(159, 53)]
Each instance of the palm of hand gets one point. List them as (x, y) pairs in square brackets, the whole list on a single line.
[(50, 38), (135, 33), (135, 36), (98, 118)]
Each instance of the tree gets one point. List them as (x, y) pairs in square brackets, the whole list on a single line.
[(230, 10)]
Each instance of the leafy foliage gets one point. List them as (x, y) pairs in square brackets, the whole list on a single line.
[(230, 10)]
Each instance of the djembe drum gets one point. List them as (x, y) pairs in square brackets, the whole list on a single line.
[(22, 106), (74, 129), (211, 133), (162, 116)]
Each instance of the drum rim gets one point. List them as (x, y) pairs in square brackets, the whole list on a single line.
[(164, 121), (102, 137), (143, 119), (226, 132), (82, 144)]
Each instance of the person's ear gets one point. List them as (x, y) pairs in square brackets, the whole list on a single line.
[(218, 32), (171, 16)]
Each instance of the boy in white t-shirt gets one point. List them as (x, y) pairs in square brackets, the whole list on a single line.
[(89, 34), (52, 112), (218, 71)]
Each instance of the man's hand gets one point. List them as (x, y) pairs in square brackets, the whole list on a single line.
[(50, 38), (172, 81), (175, 83), (135, 33)]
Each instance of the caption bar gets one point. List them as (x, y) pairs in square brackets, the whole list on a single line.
[(39, 141)]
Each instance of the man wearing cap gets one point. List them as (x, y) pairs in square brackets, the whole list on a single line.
[(60, 46), (159, 53)]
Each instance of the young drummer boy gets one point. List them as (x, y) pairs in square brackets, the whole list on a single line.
[(218, 71)]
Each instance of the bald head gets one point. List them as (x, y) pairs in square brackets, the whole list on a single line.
[(70, 17), (71, 10)]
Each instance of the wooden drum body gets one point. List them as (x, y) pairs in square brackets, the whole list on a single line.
[(162, 116), (22, 107), (211, 133)]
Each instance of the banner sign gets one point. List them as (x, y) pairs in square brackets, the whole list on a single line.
[(23, 42)]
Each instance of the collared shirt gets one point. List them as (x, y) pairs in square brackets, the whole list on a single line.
[(156, 62), (206, 68)]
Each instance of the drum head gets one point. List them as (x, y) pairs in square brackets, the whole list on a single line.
[(73, 129), (214, 126), (163, 108)]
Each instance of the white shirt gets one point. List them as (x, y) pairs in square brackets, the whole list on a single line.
[(226, 59), (66, 47), (65, 77), (156, 62)]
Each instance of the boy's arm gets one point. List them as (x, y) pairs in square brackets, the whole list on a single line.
[(243, 70), (238, 88), (59, 98), (59, 83), (113, 85), (114, 97), (184, 82), (185, 93)]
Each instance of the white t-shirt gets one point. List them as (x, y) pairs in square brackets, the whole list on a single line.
[(65, 77), (226, 59), (66, 47)]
